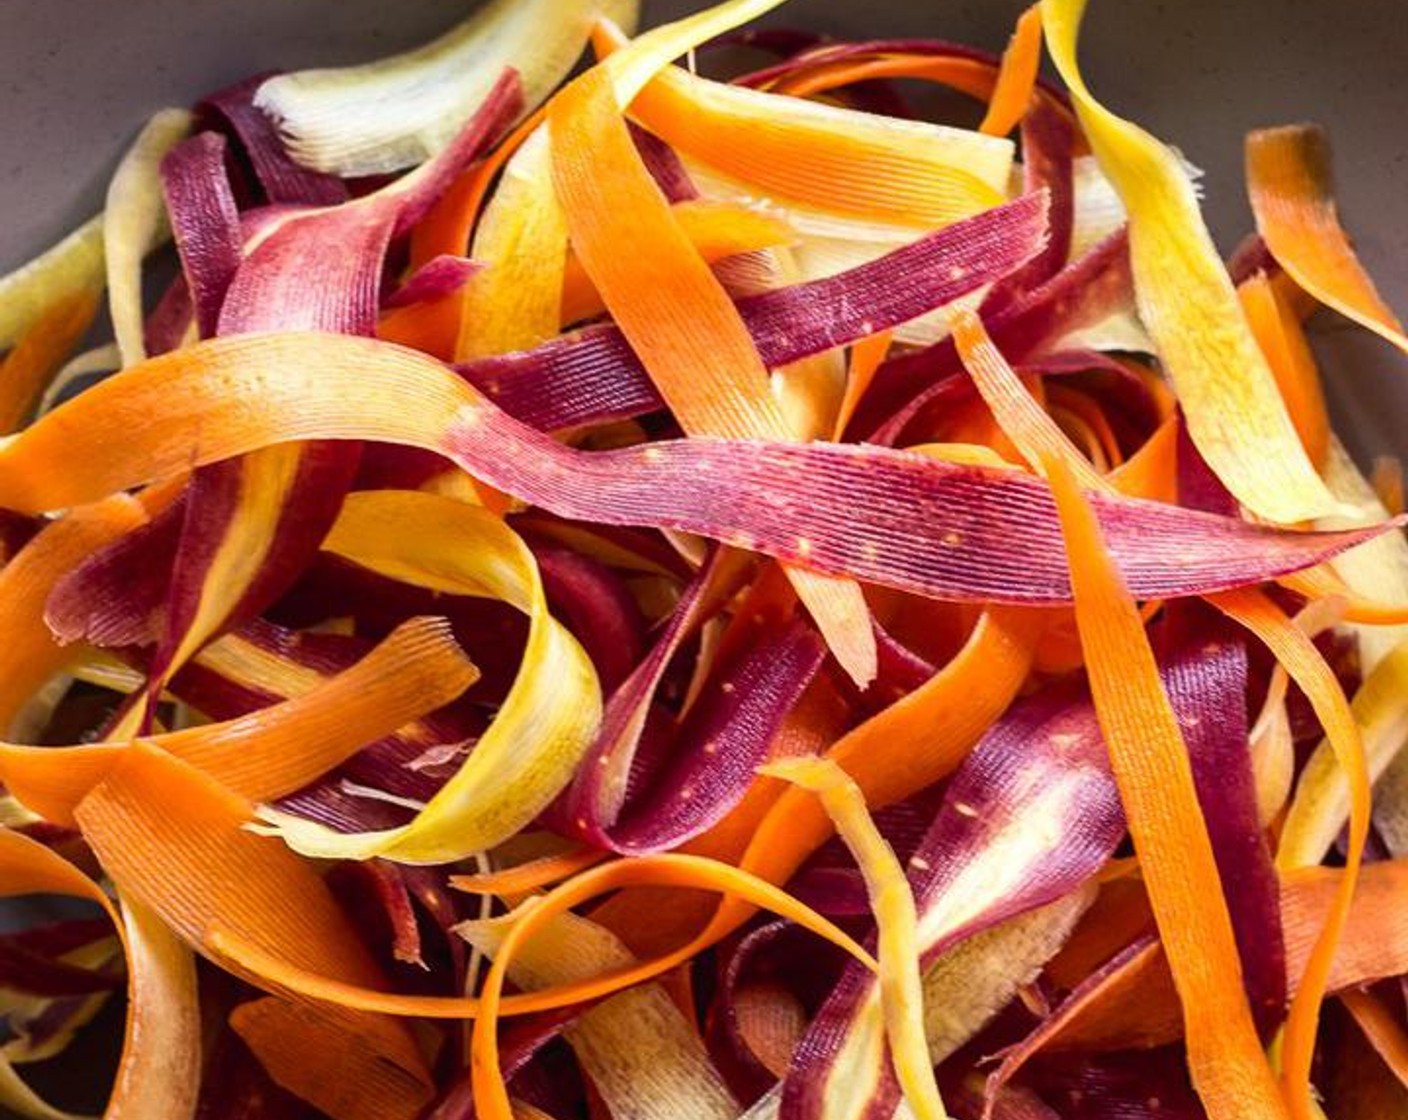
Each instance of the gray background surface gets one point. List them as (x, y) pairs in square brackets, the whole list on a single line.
[(78, 77)]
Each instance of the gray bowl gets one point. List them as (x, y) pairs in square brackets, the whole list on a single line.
[(80, 76)]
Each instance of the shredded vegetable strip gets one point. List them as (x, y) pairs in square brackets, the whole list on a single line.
[(530, 876), (435, 326), (135, 218), (516, 301), (490, 1093), (1226, 389), (1016, 79), (718, 230), (1017, 412), (842, 497), (676, 314), (1288, 177), (1322, 583), (71, 268), (901, 986), (397, 112), (277, 750), (1315, 678), (976, 78), (1151, 765), (325, 1055), (238, 942), (642, 1053), (27, 370), (159, 1071), (447, 227), (1282, 339), (1328, 795), (264, 481), (836, 160), (1381, 1028), (542, 728), (672, 309), (29, 655), (901, 750), (245, 931), (866, 358), (175, 840)]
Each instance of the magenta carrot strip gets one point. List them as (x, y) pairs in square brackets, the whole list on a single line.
[(593, 376)]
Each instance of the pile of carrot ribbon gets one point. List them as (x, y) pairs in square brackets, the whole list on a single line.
[(601, 592)]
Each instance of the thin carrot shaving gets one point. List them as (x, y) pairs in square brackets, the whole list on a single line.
[(969, 454), (976, 77), (490, 1092), (1152, 471), (1118, 915), (402, 110), (1273, 760), (1084, 421), (1016, 78), (74, 266), (1027, 424), (448, 225), (1288, 178), (1282, 339), (814, 725), (1225, 386), (650, 52), (1376, 945), (1316, 679), (1387, 481), (29, 655), (327, 1056), (718, 230), (1381, 1028), (175, 839), (274, 751), (228, 941), (435, 325), (515, 302), (641, 1051), (1323, 583), (159, 1071), (910, 745), (1151, 766), (266, 478), (866, 357), (676, 314), (531, 876), (545, 723), (771, 1021), (972, 76), (432, 326), (25, 372), (252, 665), (133, 220), (834, 159), (897, 922)]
